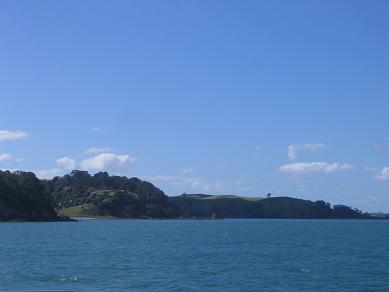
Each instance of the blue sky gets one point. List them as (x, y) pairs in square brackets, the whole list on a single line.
[(221, 97)]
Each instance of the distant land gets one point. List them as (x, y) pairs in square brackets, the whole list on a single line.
[(78, 194), (200, 205)]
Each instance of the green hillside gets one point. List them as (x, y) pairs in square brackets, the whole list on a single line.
[(82, 194), (205, 206), (218, 197)]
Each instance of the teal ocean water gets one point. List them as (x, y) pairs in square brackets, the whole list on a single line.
[(225, 255)]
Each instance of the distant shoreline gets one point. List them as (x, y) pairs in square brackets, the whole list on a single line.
[(80, 196), (89, 218), (99, 218)]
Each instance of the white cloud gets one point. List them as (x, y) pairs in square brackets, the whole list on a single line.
[(6, 135), (106, 161), (99, 150), (19, 160), (66, 163), (5, 157), (303, 168), (383, 174), (48, 173), (294, 150)]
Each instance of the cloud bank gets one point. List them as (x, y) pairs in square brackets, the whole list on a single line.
[(303, 168)]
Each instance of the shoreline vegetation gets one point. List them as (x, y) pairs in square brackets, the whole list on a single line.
[(81, 196)]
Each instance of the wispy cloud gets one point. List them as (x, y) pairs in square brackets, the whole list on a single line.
[(98, 129), (5, 157), (188, 170), (96, 150), (66, 163), (9, 157), (383, 174), (6, 135), (294, 150), (304, 168), (256, 151), (220, 168), (189, 182), (384, 145), (193, 182), (106, 161)]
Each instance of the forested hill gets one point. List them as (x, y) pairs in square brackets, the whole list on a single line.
[(205, 206), (23, 197), (81, 194)]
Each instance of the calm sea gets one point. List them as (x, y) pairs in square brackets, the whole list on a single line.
[(225, 255)]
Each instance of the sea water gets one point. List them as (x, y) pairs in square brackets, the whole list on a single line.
[(181, 255)]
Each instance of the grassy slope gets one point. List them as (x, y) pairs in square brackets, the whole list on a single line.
[(218, 197), (76, 211)]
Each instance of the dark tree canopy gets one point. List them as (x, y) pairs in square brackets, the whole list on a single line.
[(23, 196)]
